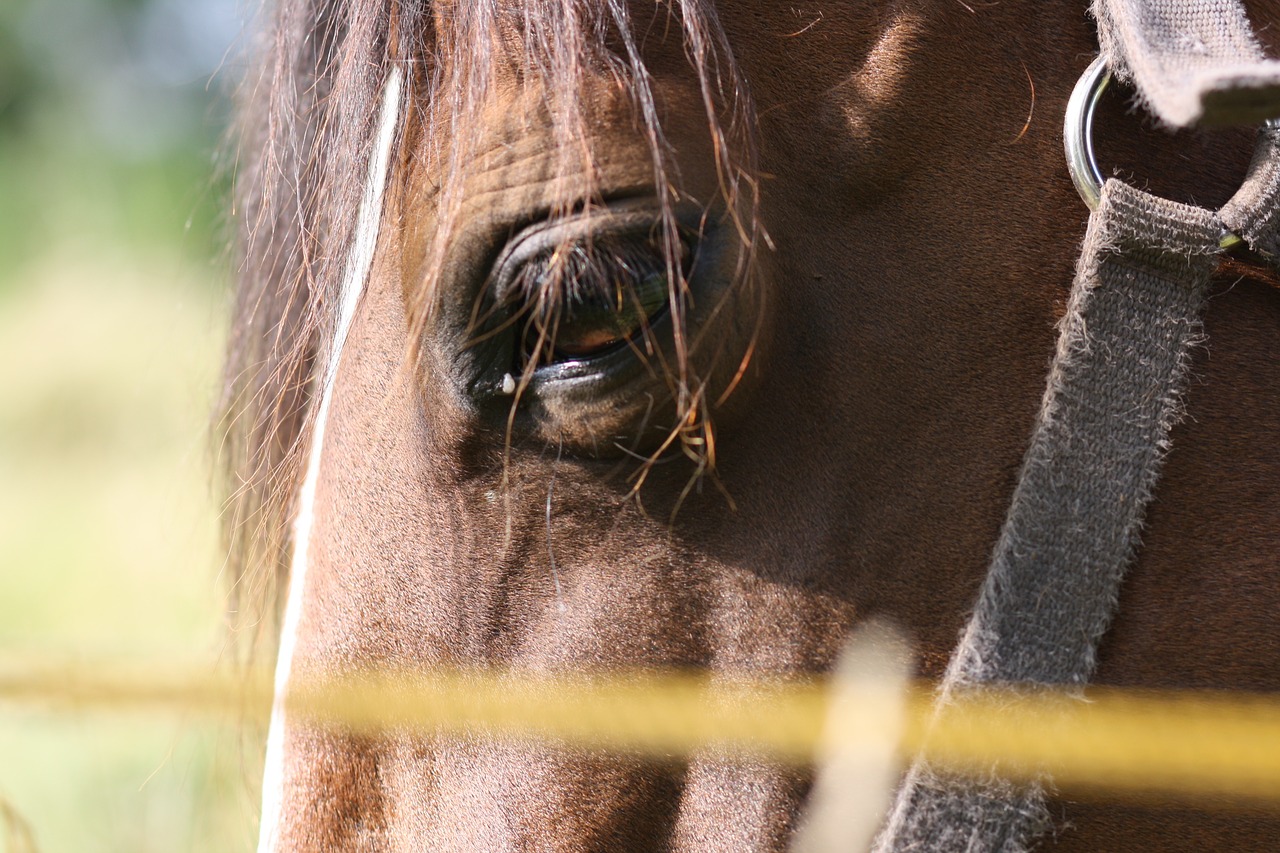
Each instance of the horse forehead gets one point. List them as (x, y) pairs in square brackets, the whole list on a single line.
[(855, 56), (516, 157)]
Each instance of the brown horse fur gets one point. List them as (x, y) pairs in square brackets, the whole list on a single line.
[(857, 369)]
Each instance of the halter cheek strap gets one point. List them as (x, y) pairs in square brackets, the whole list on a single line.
[(1073, 525), (1112, 396)]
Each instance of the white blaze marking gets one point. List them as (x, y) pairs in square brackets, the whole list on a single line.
[(364, 242)]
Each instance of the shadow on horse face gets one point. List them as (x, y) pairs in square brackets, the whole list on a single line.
[(821, 421)]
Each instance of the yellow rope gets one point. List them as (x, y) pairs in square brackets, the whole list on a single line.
[(1198, 744)]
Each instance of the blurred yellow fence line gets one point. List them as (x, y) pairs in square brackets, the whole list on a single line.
[(1196, 744)]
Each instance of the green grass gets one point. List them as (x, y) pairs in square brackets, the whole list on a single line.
[(108, 547), (61, 188)]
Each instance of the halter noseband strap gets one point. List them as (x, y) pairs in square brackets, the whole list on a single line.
[(1112, 396)]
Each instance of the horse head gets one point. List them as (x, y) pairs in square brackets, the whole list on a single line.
[(686, 334)]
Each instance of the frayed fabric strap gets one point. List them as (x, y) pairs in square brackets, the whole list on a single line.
[(1254, 211), (1102, 430), (1192, 61)]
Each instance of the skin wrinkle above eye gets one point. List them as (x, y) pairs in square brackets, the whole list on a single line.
[(548, 176)]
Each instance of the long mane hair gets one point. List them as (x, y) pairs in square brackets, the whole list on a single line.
[(308, 117)]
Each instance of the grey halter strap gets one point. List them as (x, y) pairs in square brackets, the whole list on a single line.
[(1112, 396)]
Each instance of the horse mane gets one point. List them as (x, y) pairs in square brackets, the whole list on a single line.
[(308, 118)]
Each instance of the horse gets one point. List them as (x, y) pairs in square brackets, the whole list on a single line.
[(690, 334)]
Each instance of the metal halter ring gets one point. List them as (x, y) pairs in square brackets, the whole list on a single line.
[(1077, 138), (1077, 132)]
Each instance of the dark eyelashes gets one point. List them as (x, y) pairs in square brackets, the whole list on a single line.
[(591, 297), (588, 272)]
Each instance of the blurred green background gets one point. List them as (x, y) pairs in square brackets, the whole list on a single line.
[(114, 285)]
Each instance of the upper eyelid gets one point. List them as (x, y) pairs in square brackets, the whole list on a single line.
[(628, 220), (634, 264)]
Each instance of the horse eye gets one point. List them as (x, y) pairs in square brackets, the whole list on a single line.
[(590, 299)]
